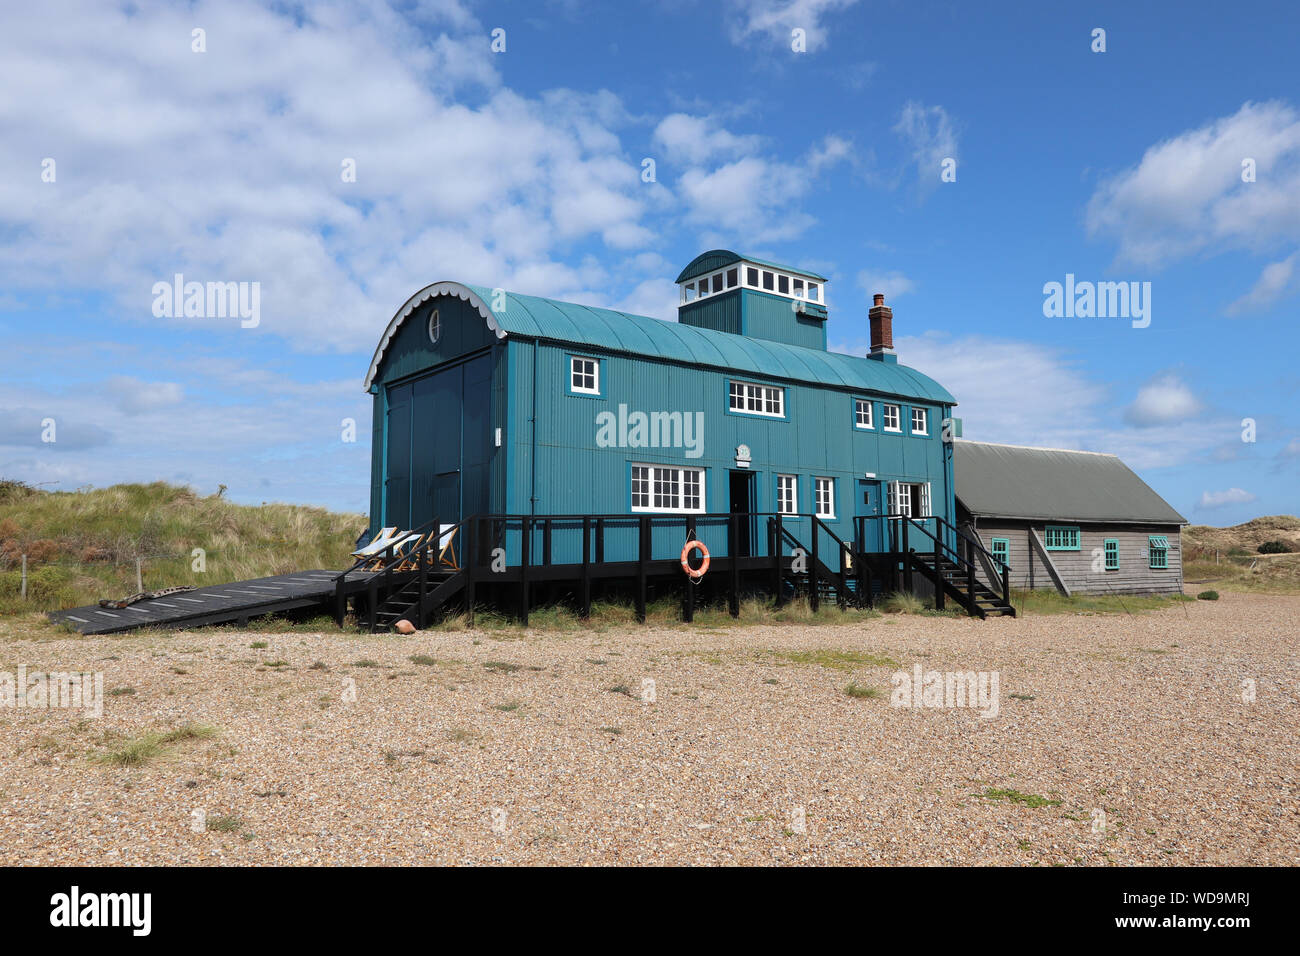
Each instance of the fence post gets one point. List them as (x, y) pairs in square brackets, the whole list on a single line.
[(814, 595), (642, 543), (733, 545), (970, 576), (526, 560), (24, 577), (688, 606), (585, 609), (139, 575), (467, 568), (777, 547), (907, 556)]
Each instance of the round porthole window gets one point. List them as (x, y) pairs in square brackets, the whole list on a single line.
[(435, 327)]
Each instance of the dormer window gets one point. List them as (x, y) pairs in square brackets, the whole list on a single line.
[(798, 288), (813, 292), (767, 280)]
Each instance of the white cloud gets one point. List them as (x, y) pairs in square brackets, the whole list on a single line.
[(776, 19), (1220, 499), (1069, 409), (226, 165), (1291, 450), (754, 198), (1186, 196), (1271, 286), (889, 284), (697, 139), (134, 396), (930, 137), (1163, 401)]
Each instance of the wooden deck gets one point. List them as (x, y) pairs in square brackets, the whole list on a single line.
[(237, 601)]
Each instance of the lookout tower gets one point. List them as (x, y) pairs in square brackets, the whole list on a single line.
[(727, 292)]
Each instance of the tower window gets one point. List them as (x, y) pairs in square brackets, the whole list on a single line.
[(717, 282), (813, 292), (751, 277), (733, 277), (767, 280), (783, 285), (798, 288)]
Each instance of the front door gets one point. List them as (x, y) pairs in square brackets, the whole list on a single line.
[(742, 497), (871, 531)]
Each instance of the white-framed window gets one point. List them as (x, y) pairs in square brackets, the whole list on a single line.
[(862, 413), (788, 285), (667, 488), (787, 494), (754, 399), (584, 375), (920, 421), (825, 496), (435, 327), (892, 421)]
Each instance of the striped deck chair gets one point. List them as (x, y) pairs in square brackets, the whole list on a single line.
[(377, 543), (447, 547), (398, 542)]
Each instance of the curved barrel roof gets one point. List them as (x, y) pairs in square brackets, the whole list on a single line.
[(529, 316)]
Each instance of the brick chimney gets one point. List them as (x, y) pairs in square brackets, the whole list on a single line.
[(881, 317)]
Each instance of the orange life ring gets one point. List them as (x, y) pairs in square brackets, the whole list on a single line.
[(687, 548)]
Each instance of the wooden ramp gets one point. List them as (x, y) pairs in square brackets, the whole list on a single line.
[(236, 601)]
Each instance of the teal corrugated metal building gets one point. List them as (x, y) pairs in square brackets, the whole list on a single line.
[(487, 401)]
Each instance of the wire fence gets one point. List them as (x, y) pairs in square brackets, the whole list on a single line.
[(27, 569)]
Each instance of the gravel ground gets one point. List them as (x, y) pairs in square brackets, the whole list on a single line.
[(1141, 718)]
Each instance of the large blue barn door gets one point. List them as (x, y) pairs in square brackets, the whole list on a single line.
[(439, 447)]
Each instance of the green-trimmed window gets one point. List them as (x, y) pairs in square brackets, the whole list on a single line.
[(1061, 538), (1158, 548), (1000, 547), (1112, 554)]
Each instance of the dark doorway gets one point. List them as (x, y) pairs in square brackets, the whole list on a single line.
[(742, 498)]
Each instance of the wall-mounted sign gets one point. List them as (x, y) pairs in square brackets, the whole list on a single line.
[(743, 457)]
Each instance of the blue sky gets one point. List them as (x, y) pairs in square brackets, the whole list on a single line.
[(522, 169)]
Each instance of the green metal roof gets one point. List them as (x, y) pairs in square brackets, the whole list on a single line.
[(1013, 481), (715, 259), (534, 317)]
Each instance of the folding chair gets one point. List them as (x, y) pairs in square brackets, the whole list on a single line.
[(378, 543), (397, 542), (409, 561), (446, 547)]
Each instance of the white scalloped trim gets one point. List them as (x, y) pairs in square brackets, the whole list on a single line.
[(462, 292)]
